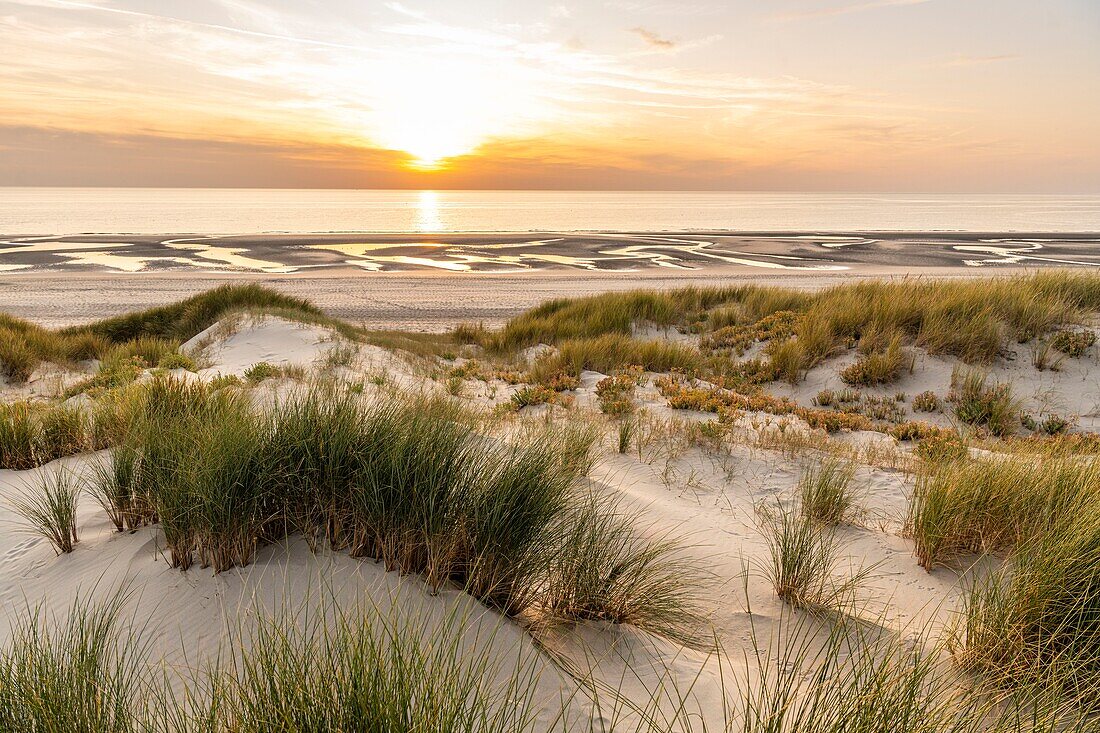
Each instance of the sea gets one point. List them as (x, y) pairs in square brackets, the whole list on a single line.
[(69, 211)]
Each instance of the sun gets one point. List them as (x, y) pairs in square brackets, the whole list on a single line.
[(437, 109)]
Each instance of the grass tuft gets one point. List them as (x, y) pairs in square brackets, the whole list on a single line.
[(49, 508)]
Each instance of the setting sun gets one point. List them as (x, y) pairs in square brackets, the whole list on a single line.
[(435, 109)]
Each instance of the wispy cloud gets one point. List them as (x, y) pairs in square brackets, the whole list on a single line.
[(834, 10), (652, 38)]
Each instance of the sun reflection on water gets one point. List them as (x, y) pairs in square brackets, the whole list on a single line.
[(427, 212)]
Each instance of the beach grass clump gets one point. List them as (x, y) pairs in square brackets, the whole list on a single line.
[(878, 367), (1035, 618), (602, 569), (63, 431), (18, 435), (17, 359), (825, 488), (200, 469), (804, 560), (71, 674), (609, 353), (365, 670), (48, 507), (114, 483), (510, 519), (33, 433), (995, 504), (979, 403), (628, 428)]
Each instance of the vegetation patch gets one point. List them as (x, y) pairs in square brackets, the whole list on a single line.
[(991, 406), (615, 394), (1073, 343)]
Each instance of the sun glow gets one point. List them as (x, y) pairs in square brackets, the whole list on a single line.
[(439, 109)]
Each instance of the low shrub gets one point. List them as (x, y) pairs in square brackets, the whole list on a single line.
[(176, 360), (615, 394), (1073, 343), (914, 430), (926, 401), (940, 446), (979, 403), (877, 367), (260, 371)]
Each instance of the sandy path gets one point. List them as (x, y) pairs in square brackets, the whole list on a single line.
[(421, 301)]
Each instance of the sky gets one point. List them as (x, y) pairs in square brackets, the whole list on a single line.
[(786, 95)]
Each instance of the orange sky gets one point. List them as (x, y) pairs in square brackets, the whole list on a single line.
[(892, 95)]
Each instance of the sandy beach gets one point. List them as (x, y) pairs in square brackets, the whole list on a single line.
[(391, 281)]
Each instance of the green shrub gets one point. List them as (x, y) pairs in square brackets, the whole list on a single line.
[(261, 371), (176, 360), (990, 406)]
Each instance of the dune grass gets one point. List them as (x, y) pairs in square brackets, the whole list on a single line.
[(75, 673), (973, 320), (353, 671), (149, 334), (373, 669), (48, 507), (33, 433), (992, 505), (609, 353), (804, 562), (1035, 616), (407, 480), (825, 489), (984, 405), (604, 570)]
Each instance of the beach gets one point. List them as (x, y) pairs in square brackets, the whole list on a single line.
[(431, 283)]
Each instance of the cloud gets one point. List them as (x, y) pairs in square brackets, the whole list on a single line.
[(653, 39), (835, 10)]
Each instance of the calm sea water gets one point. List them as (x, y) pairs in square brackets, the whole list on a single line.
[(56, 211)]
